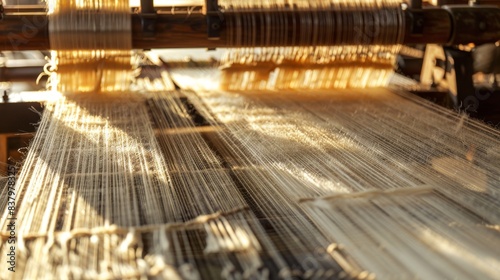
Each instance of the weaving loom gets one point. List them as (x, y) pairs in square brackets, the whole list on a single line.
[(301, 155)]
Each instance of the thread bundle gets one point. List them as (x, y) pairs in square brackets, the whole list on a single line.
[(358, 52), (91, 46)]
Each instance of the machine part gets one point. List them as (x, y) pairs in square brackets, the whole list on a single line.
[(487, 61), (148, 19), (214, 19), (474, 24), (188, 29), (432, 25), (450, 69), (431, 74), (416, 4)]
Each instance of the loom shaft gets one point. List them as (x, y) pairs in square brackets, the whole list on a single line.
[(29, 30)]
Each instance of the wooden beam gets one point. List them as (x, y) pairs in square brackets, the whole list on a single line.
[(3, 155), (29, 31), (188, 130)]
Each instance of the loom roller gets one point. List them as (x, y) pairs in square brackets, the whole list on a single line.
[(27, 28), (446, 69)]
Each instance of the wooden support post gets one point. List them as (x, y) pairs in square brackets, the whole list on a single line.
[(3, 154)]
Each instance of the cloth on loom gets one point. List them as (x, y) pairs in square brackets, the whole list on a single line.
[(364, 183), (406, 187), (98, 199)]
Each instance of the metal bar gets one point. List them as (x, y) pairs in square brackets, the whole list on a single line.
[(9, 9)]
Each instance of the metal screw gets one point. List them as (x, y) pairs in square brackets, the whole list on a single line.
[(419, 22), (215, 26)]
